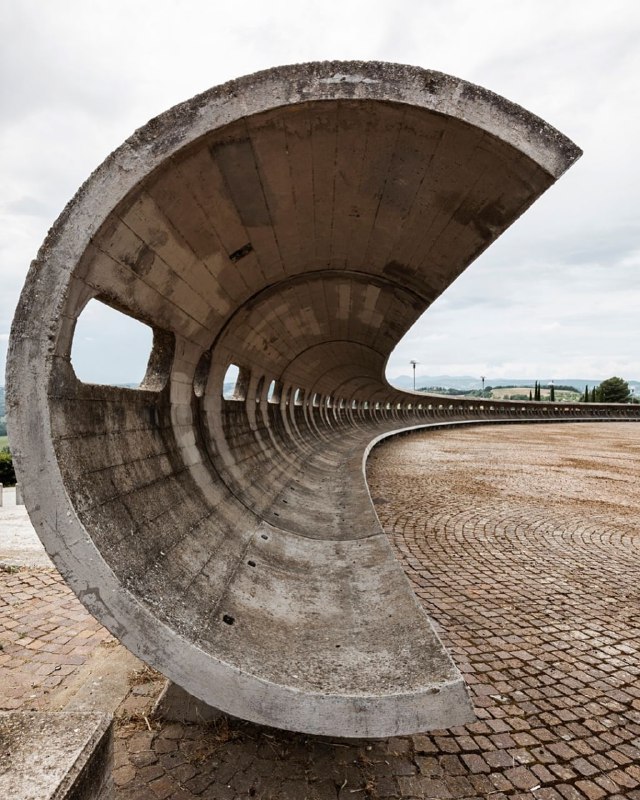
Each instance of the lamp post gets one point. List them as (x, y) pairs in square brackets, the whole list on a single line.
[(413, 364)]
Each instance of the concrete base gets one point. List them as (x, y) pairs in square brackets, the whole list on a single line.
[(56, 756), (176, 705)]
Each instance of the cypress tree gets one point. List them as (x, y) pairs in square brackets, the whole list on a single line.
[(552, 394), (530, 398), (585, 399), (593, 395)]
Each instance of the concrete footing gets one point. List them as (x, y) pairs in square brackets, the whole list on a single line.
[(62, 756), (176, 705)]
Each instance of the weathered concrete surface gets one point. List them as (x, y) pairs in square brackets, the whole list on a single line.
[(294, 223), (55, 756), (174, 704)]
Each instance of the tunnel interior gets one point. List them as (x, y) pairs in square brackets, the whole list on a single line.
[(232, 542)]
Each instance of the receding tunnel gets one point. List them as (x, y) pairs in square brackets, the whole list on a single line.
[(294, 223)]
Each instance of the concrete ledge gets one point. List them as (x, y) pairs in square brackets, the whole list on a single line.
[(55, 756)]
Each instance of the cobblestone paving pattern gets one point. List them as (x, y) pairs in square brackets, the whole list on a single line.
[(45, 635), (521, 542)]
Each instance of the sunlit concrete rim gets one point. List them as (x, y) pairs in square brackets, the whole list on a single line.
[(41, 334)]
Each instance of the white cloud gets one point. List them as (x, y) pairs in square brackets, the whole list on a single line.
[(79, 77)]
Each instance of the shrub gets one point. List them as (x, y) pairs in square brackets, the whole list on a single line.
[(613, 390), (7, 473)]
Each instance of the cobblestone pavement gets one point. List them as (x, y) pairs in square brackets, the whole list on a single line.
[(521, 542), (45, 635)]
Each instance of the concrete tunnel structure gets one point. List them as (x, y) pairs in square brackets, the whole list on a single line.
[(294, 223)]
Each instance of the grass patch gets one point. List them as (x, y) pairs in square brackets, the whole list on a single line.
[(4, 442), (140, 676), (10, 569)]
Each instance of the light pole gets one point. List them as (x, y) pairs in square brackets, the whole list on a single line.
[(413, 364)]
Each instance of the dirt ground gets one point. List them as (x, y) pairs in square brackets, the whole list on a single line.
[(521, 542)]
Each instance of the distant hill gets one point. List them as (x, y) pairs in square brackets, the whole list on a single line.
[(470, 382)]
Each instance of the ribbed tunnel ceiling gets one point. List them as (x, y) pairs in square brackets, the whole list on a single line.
[(387, 203), (294, 223)]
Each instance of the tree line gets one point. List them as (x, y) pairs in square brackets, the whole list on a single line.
[(613, 390)]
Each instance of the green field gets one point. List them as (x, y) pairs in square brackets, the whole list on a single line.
[(4, 442)]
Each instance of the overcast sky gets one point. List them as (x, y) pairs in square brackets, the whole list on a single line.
[(557, 296)]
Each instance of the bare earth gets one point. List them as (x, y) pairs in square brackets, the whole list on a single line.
[(521, 541)]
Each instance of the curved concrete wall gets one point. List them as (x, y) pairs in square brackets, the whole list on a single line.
[(294, 223)]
